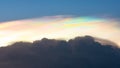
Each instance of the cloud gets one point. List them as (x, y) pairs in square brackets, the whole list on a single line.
[(80, 52), (59, 27)]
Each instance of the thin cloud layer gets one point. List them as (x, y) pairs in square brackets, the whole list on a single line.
[(58, 27), (80, 52)]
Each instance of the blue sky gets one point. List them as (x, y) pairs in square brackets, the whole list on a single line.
[(23, 9)]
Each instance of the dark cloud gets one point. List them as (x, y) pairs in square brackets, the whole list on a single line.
[(81, 52)]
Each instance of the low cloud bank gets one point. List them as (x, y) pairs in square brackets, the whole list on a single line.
[(80, 52)]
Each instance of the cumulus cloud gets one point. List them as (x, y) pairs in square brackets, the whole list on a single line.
[(80, 52)]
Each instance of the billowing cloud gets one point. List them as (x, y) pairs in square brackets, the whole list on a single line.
[(58, 27), (81, 52)]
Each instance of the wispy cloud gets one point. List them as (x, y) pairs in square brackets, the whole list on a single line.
[(60, 27)]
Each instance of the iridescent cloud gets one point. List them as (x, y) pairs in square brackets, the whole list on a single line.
[(58, 27)]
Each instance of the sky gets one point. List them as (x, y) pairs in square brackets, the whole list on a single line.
[(28, 20), (22, 9)]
